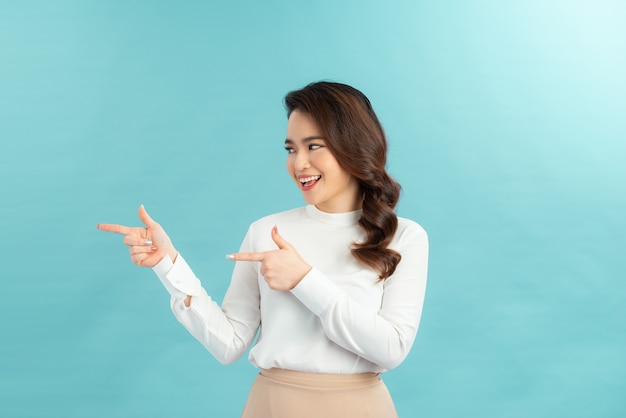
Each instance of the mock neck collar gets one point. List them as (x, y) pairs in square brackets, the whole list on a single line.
[(338, 219)]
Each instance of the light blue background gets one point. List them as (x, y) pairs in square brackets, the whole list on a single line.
[(506, 121)]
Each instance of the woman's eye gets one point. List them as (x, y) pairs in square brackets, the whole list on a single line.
[(314, 146), (289, 150)]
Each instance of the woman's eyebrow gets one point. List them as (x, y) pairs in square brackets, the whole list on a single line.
[(305, 140)]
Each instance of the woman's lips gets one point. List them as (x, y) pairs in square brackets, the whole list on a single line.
[(308, 182)]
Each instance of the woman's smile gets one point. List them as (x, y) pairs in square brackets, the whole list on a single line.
[(308, 182), (315, 169)]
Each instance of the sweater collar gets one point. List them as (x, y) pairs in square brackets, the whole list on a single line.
[(337, 219)]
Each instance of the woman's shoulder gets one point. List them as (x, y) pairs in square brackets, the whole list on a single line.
[(409, 230)]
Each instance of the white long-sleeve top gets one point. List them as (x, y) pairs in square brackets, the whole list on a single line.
[(340, 319)]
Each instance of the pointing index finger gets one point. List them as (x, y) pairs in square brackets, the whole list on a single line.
[(246, 256), (117, 229)]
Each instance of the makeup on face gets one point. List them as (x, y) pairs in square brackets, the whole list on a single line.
[(315, 169)]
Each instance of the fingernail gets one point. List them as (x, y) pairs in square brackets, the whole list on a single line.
[(147, 242), (153, 248), (230, 256)]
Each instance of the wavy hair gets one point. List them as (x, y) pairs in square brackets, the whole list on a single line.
[(356, 138)]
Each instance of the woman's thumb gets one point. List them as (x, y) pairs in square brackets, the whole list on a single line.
[(145, 218), (279, 240)]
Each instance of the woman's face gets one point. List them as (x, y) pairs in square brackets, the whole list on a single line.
[(315, 169)]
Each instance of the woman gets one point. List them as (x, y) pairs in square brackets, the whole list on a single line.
[(336, 287)]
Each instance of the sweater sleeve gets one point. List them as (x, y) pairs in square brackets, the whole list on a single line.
[(225, 331), (384, 337)]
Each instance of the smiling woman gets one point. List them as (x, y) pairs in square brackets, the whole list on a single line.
[(323, 182), (337, 295), (346, 120)]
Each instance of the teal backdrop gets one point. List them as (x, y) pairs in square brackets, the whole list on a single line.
[(507, 129)]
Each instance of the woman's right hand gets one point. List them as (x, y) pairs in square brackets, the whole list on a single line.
[(147, 245)]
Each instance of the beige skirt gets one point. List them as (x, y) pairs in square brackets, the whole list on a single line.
[(280, 393)]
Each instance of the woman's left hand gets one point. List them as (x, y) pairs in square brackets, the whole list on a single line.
[(283, 268)]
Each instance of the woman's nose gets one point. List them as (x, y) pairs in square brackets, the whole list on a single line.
[(302, 161)]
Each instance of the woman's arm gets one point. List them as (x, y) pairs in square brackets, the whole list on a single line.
[(225, 331), (386, 336)]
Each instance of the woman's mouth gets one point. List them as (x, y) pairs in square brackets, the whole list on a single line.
[(309, 182)]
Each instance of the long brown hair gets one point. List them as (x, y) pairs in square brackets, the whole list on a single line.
[(356, 138)]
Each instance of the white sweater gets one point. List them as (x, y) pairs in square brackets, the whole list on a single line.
[(340, 319)]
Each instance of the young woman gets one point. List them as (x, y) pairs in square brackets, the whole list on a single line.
[(336, 287)]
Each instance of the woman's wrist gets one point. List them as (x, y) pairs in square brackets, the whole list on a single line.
[(173, 254)]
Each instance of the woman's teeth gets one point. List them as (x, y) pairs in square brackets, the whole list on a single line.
[(308, 181)]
